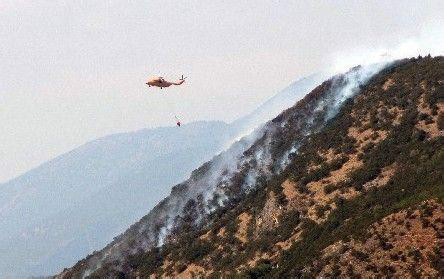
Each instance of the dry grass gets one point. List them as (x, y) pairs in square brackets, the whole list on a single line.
[(408, 243), (319, 195), (285, 245), (432, 128), (258, 256), (244, 220), (382, 178), (221, 232), (289, 190), (387, 84), (268, 218), (192, 271), (205, 236), (365, 137)]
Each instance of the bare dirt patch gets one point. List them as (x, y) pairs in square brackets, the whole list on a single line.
[(387, 84), (285, 245), (400, 244), (244, 220), (221, 232), (329, 155), (365, 137), (205, 236), (382, 178), (431, 127), (268, 218), (397, 113), (317, 187), (192, 271), (289, 189), (258, 256)]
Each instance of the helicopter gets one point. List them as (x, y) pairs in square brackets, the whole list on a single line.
[(161, 82)]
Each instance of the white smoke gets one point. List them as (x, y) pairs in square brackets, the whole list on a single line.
[(231, 161), (354, 79), (215, 180), (429, 41)]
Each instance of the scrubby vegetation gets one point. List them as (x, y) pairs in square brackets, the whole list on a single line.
[(380, 155)]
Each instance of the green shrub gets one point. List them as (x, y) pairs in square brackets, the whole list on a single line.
[(441, 121)]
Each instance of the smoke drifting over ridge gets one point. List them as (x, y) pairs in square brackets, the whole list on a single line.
[(430, 40), (231, 174), (238, 158)]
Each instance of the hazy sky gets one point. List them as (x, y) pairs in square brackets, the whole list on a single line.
[(72, 71)]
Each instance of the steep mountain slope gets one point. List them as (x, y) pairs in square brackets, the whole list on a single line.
[(227, 177), (332, 187), (278, 103), (76, 203)]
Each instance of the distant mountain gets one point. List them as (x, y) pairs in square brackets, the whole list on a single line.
[(347, 183), (76, 203), (279, 102), (80, 200)]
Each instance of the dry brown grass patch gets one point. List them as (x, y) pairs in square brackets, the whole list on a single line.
[(392, 243), (244, 220), (383, 177), (317, 187), (387, 84), (285, 245), (221, 232), (432, 128), (329, 155), (268, 218), (192, 271), (289, 189)]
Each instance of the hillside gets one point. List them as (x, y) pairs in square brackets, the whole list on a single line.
[(348, 183), (279, 102), (77, 202)]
